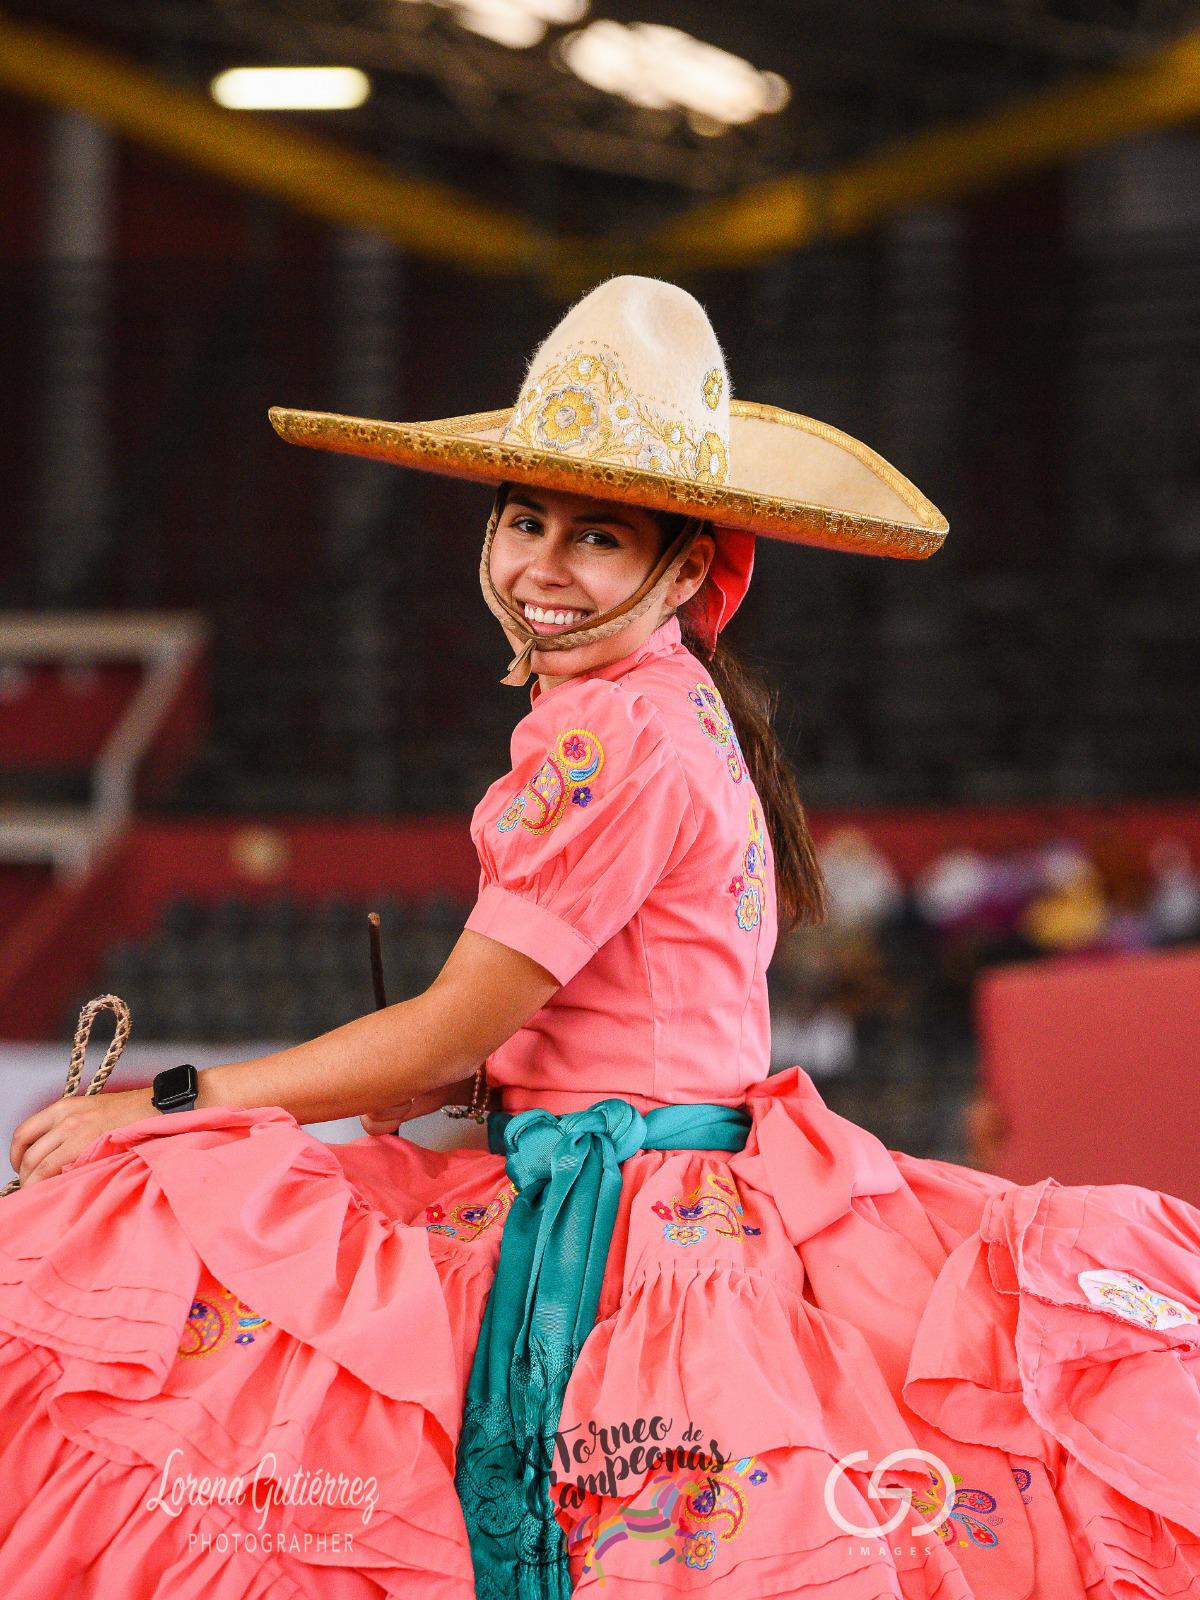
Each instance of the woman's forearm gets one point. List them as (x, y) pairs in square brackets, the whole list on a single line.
[(483, 994), (377, 1060)]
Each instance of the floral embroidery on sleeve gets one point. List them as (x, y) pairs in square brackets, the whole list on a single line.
[(564, 778), (718, 725), (749, 886)]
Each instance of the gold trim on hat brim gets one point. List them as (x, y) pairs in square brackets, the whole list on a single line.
[(883, 514)]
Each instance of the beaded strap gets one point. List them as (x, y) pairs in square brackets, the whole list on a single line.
[(478, 1108)]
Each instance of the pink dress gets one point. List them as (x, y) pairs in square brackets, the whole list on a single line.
[(232, 1358)]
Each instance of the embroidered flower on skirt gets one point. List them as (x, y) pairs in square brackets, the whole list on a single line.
[(713, 1205), (467, 1222), (973, 1511), (565, 776), (213, 1321), (1132, 1300), (691, 1513)]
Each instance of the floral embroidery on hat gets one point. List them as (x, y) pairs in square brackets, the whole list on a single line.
[(718, 725), (587, 368), (566, 417), (749, 887), (581, 404), (563, 778), (467, 1222), (1130, 1298), (713, 1206), (712, 461), (213, 1319), (714, 382)]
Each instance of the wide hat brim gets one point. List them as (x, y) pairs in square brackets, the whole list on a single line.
[(791, 477)]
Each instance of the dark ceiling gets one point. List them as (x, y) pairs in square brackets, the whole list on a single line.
[(518, 127)]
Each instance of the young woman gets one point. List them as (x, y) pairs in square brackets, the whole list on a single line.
[(679, 1329)]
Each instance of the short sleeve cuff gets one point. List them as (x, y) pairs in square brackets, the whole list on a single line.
[(535, 932)]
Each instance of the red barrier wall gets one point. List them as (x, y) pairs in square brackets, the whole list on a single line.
[(1094, 1065)]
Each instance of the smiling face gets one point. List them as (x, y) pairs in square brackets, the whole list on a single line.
[(559, 558)]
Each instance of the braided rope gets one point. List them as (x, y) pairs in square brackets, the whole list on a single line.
[(83, 1033)]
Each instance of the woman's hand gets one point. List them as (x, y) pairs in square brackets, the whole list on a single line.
[(51, 1139), (389, 1118)]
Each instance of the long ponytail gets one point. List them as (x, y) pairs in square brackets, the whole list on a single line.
[(752, 703)]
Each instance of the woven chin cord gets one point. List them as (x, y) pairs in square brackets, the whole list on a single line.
[(591, 629)]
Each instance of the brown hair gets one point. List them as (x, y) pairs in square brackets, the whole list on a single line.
[(752, 703)]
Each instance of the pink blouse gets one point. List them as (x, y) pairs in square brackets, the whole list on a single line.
[(626, 853)]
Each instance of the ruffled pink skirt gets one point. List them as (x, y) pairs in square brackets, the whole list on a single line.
[(232, 1362)]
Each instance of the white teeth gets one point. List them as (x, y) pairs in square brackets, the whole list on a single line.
[(537, 614)]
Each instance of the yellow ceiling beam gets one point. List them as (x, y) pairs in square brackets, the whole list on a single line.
[(315, 174), (787, 213), (336, 184)]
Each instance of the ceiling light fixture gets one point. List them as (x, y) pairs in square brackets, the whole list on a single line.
[(501, 22), (519, 24), (290, 88), (660, 67)]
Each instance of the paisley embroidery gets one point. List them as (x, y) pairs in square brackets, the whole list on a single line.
[(211, 1321), (692, 1515), (564, 777), (714, 1205), (749, 887), (973, 1512), (1131, 1299), (467, 1222), (718, 725)]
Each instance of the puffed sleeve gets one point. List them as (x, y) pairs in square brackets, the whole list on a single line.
[(595, 811)]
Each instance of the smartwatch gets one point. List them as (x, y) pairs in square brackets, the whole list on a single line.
[(175, 1088)]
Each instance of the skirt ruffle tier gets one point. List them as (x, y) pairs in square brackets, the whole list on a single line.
[(783, 1333)]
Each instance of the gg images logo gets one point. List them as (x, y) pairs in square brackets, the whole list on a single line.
[(876, 1491)]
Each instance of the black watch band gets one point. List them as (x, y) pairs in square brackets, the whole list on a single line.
[(175, 1088)]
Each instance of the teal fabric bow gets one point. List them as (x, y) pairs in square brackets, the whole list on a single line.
[(541, 1307)]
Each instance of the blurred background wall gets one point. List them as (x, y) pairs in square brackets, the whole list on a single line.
[(968, 234)]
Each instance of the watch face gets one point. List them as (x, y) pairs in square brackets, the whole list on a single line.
[(175, 1089)]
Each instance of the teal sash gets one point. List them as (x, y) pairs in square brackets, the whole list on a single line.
[(541, 1307)]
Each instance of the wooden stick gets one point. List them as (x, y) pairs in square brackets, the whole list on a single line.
[(376, 960)]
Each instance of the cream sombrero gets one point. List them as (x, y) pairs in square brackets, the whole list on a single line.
[(628, 399)]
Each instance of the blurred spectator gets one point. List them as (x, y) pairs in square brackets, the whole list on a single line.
[(819, 1038), (1071, 914), (878, 999), (863, 889), (1173, 907)]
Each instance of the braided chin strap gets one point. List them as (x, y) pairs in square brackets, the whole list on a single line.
[(601, 626)]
